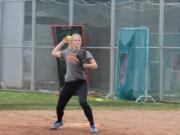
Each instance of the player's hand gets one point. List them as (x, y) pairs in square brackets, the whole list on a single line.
[(67, 39)]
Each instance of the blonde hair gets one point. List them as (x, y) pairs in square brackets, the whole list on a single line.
[(76, 35)]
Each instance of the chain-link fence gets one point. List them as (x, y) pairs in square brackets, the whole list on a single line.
[(16, 56)]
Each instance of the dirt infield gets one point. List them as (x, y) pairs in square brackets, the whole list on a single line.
[(110, 122)]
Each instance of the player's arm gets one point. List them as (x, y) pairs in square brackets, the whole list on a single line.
[(91, 65), (56, 52)]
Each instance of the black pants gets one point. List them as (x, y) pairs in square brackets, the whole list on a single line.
[(79, 88)]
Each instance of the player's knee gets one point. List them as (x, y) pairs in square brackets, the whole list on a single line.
[(83, 104)]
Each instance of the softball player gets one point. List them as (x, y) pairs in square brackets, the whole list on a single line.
[(75, 79)]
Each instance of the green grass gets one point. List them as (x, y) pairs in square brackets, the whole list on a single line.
[(13, 100)]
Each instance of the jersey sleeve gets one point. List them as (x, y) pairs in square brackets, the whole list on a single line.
[(89, 55), (63, 53)]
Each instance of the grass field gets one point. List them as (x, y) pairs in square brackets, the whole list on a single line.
[(31, 113), (14, 100)]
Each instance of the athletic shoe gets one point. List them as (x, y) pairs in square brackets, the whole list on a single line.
[(93, 129), (56, 125)]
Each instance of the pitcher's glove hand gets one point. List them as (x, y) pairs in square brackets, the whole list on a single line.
[(81, 55)]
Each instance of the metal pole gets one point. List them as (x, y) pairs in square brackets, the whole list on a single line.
[(1, 51), (145, 97), (71, 8), (1, 23), (1, 16), (112, 91), (33, 44), (147, 58), (161, 44)]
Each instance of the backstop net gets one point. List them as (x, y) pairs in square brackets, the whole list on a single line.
[(132, 63)]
